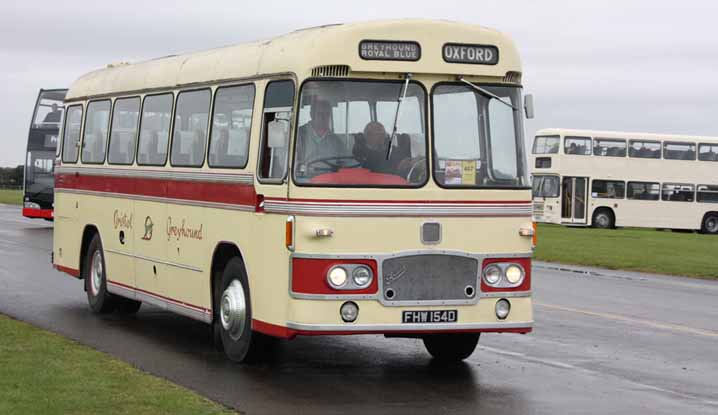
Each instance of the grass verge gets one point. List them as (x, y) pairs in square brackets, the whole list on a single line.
[(44, 373), (11, 197), (646, 250)]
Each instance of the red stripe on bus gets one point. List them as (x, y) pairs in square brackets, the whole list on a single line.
[(273, 330), (201, 191), (309, 276), (37, 213), (74, 272)]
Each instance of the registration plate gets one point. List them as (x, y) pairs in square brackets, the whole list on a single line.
[(433, 316)]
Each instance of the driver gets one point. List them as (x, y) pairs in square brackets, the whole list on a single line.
[(372, 150), (53, 116), (316, 141)]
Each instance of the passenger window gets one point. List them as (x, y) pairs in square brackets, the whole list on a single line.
[(577, 145), (276, 122), (546, 144), (231, 126), (609, 148), (123, 134), (94, 139), (608, 189), (71, 134), (644, 149), (643, 191), (679, 151), (190, 128), (677, 192), (155, 130), (707, 193), (708, 152)]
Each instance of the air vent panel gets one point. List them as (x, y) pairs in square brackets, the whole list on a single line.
[(331, 71)]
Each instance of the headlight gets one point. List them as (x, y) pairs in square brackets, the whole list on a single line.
[(514, 274), (32, 205), (362, 276), (492, 274), (337, 277)]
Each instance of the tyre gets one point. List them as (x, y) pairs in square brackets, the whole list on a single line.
[(603, 219), (710, 224), (452, 347), (128, 306), (233, 317), (95, 276)]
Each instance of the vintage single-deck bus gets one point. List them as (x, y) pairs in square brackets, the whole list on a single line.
[(347, 179), (607, 178), (42, 141)]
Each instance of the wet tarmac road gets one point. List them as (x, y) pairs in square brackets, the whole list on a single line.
[(613, 343)]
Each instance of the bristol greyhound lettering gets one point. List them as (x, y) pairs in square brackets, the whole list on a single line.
[(121, 220), (183, 230)]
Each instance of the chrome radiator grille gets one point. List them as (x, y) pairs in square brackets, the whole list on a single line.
[(430, 277)]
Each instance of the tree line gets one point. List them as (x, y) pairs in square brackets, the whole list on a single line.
[(11, 176)]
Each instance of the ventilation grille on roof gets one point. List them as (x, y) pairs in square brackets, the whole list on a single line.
[(513, 77), (331, 70)]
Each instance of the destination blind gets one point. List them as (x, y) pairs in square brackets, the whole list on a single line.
[(389, 50)]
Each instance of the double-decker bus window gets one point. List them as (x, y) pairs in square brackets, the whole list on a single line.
[(231, 126), (155, 130), (707, 193), (608, 189), (478, 138), (677, 192), (546, 144), (644, 149), (545, 186), (123, 134), (577, 145), (71, 134), (190, 128), (643, 191), (97, 122), (708, 152), (679, 151), (609, 148), (276, 122)]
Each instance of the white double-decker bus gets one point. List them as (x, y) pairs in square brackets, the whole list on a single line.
[(607, 179), (347, 179)]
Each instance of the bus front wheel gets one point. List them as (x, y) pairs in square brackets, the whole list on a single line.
[(452, 347), (710, 224), (99, 299), (603, 219), (233, 316)]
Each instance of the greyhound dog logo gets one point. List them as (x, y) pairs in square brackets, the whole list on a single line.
[(148, 229)]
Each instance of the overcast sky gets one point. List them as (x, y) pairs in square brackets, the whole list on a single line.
[(621, 65)]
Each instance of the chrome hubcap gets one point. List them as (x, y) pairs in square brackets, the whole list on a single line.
[(233, 310), (712, 225), (96, 273)]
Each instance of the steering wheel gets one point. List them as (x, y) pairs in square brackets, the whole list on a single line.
[(419, 165), (331, 162)]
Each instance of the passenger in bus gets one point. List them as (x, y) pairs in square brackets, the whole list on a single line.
[(316, 141), (53, 116), (371, 150)]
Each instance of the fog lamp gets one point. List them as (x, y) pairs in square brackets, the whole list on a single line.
[(349, 311), (503, 307)]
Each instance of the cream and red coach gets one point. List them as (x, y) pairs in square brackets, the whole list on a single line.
[(347, 179)]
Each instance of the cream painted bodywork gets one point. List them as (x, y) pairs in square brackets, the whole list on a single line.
[(633, 213), (180, 268)]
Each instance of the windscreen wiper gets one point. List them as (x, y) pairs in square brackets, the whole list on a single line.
[(400, 100), (486, 93)]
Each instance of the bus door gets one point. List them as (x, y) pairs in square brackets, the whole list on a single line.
[(42, 141), (573, 200)]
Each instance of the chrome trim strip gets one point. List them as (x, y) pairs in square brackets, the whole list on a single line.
[(191, 312), (408, 326), (197, 203), (144, 258), (398, 209), (242, 178)]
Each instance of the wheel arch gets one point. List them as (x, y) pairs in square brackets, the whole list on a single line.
[(223, 252), (705, 216), (598, 209), (88, 233)]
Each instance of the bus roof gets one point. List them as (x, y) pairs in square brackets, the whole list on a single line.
[(623, 134), (303, 50)]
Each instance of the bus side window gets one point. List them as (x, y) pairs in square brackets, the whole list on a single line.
[(276, 123), (71, 134), (190, 128), (231, 126), (154, 130), (94, 141), (123, 131)]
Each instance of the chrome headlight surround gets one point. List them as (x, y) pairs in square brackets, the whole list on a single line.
[(355, 276), (362, 276), (511, 274)]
